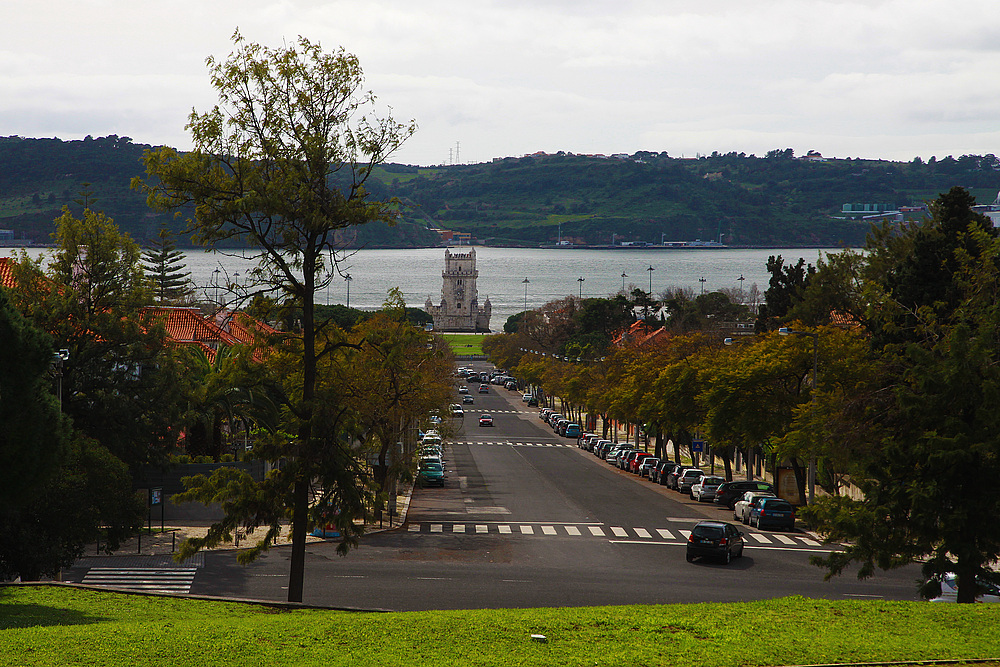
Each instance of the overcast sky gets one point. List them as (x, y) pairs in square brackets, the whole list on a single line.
[(863, 78)]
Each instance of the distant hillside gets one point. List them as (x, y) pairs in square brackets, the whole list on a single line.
[(765, 201), (762, 201), (39, 176)]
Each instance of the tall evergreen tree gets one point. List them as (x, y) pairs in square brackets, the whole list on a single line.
[(164, 266)]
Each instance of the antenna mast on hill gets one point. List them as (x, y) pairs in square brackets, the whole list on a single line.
[(458, 154)]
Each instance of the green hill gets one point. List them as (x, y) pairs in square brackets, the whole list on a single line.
[(765, 201)]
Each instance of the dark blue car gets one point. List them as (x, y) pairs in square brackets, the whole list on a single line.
[(773, 512)]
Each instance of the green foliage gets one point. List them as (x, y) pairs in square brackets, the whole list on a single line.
[(164, 266), (42, 625), (34, 431)]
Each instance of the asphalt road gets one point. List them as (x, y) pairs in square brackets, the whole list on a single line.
[(527, 519)]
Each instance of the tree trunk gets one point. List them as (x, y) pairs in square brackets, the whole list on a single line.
[(800, 479)]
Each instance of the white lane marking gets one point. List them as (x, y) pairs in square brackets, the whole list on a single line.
[(572, 530), (458, 528), (642, 532), (665, 534), (527, 530), (763, 539), (618, 531), (548, 530), (812, 543), (596, 531), (504, 530), (480, 528), (784, 539), (414, 528), (436, 528)]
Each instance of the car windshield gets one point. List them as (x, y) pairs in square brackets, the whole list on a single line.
[(779, 506), (431, 467), (712, 481)]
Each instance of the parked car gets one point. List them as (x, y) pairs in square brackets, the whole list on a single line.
[(572, 430), (775, 512), (430, 474), (485, 420), (730, 492), (741, 510), (704, 490), (715, 539), (614, 453), (647, 465), (689, 478), (560, 426), (989, 592), (526, 398), (532, 402), (660, 472), (635, 462), (601, 448)]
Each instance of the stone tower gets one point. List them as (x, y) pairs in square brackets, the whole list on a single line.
[(459, 309)]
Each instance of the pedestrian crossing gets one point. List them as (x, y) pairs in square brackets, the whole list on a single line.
[(614, 533), (475, 443), (148, 579)]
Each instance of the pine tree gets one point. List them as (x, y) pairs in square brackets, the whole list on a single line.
[(164, 265)]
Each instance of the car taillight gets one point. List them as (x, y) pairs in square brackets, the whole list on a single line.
[(691, 537), (722, 542)]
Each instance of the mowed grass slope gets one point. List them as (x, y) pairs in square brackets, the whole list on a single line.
[(464, 344), (49, 625)]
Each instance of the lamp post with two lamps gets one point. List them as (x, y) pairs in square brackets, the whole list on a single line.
[(811, 475), (580, 280), (525, 282), (348, 279)]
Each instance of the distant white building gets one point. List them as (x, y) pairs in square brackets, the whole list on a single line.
[(460, 309)]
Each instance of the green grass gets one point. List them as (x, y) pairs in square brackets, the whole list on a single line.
[(464, 344), (62, 626)]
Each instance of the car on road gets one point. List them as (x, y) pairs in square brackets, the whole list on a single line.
[(688, 478), (741, 510), (463, 389), (647, 465), (572, 430), (704, 490), (730, 492), (484, 389), (989, 591), (457, 411), (714, 539), (660, 473), (468, 399), (485, 420), (430, 474), (775, 512), (532, 402)]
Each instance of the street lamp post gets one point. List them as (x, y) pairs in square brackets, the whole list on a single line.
[(215, 281), (741, 279), (348, 279), (702, 281), (811, 475), (580, 280), (624, 276), (650, 270), (525, 282)]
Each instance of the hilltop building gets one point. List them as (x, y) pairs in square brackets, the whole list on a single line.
[(460, 309)]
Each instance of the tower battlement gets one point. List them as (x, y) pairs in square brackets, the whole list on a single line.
[(460, 309)]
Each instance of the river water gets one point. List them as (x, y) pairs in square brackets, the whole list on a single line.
[(552, 273)]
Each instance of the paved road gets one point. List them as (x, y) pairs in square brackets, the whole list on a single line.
[(527, 519)]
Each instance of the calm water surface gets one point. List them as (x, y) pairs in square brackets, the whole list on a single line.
[(552, 274)]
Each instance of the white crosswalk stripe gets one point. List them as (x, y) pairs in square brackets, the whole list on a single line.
[(497, 443), (151, 579), (592, 530)]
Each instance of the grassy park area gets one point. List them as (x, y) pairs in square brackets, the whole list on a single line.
[(52, 625), (464, 344)]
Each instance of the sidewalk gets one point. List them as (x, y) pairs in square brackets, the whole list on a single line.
[(182, 521)]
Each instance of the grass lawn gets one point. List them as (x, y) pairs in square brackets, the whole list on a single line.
[(464, 344), (51, 625)]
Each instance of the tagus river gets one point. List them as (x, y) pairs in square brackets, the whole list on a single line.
[(551, 273)]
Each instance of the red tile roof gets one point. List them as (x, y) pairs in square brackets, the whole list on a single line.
[(7, 273), (186, 325)]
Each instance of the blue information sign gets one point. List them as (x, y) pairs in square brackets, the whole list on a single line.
[(697, 445)]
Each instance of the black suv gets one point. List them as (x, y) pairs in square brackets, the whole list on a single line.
[(730, 492)]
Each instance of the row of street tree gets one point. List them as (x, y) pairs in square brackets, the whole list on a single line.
[(904, 342)]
